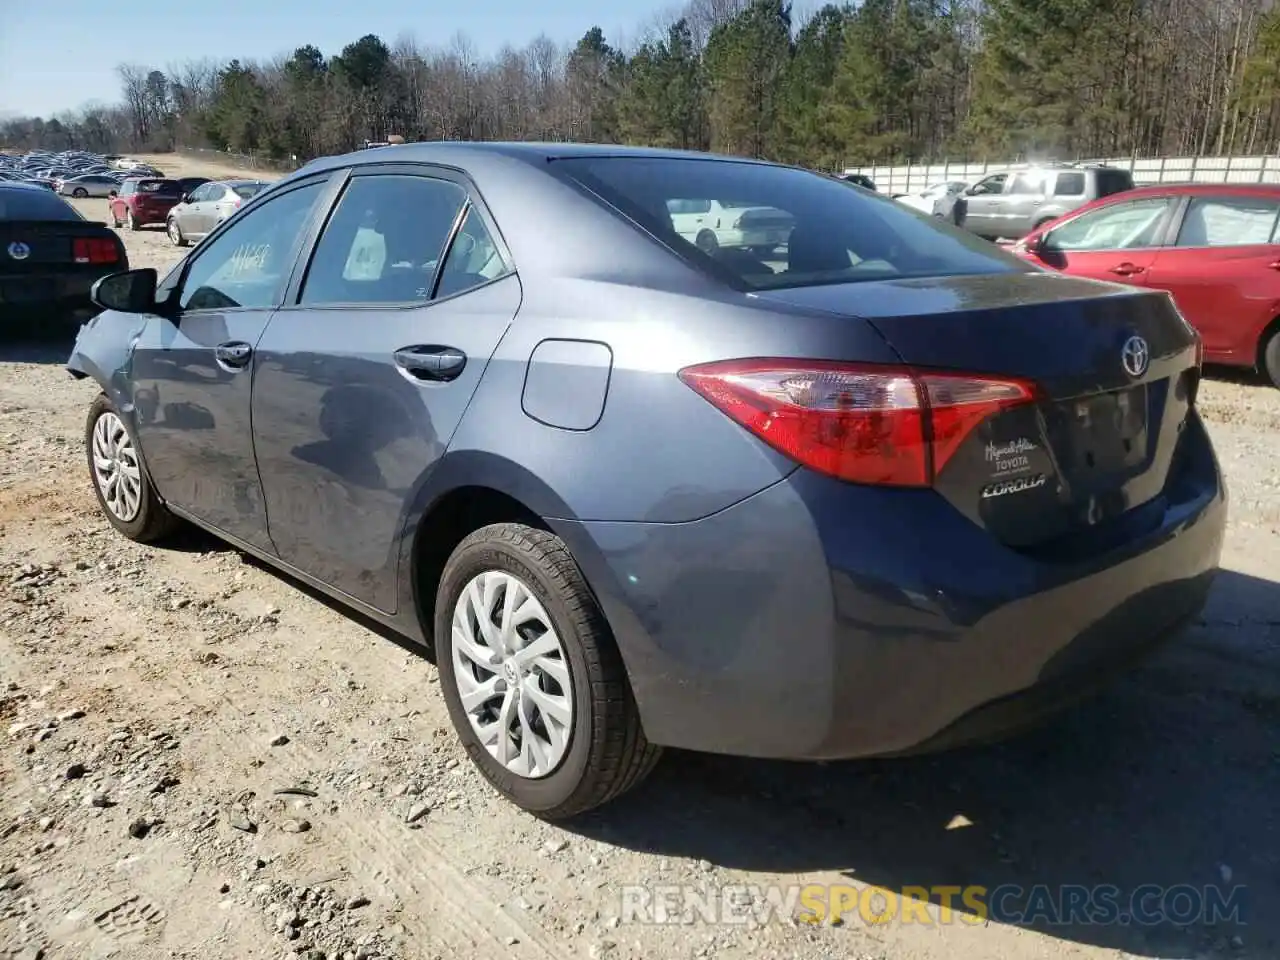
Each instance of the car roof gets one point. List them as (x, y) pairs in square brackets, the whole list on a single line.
[(1179, 189)]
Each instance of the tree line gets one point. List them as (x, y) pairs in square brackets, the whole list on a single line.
[(875, 81)]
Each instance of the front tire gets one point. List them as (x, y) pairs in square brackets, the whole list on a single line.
[(533, 680), (119, 478), (175, 233), (79, 193)]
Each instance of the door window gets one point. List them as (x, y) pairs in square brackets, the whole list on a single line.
[(989, 185), (249, 263), (1069, 185), (1027, 184), (1229, 222), (384, 241), (473, 258), (1122, 226)]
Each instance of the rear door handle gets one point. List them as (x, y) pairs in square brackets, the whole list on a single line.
[(235, 354), (1127, 269), (430, 362)]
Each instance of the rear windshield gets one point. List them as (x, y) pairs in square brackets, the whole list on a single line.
[(160, 188), (247, 190), (1114, 181), (35, 205), (813, 229)]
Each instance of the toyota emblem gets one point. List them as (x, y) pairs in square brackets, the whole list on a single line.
[(19, 250), (1136, 356)]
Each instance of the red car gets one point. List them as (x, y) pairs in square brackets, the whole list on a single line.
[(142, 201), (1215, 247)]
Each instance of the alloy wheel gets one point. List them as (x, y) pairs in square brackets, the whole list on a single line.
[(512, 675), (116, 470)]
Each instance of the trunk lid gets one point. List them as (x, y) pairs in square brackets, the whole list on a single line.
[(48, 244), (1102, 440)]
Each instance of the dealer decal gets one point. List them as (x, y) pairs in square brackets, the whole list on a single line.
[(1011, 457), (1002, 488)]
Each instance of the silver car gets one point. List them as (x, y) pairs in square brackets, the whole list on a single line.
[(207, 206), (1013, 203), (88, 185)]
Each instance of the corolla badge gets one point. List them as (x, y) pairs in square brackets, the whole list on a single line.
[(1002, 488), (1136, 356), (19, 250)]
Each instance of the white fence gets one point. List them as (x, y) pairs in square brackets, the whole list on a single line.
[(911, 178)]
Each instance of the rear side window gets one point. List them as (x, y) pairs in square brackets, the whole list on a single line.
[(782, 227), (1113, 181), (41, 204), (246, 190), (1229, 222), (1069, 185), (384, 241)]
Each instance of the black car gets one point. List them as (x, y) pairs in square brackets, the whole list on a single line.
[(859, 179), (49, 257), (188, 184)]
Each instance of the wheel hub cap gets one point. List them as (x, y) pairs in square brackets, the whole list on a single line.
[(116, 471), (512, 674)]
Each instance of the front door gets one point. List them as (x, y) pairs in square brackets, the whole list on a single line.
[(1117, 242), (363, 380), (984, 201), (192, 369)]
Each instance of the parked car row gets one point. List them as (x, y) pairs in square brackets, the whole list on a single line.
[(72, 173)]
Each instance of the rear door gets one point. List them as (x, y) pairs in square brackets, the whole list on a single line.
[(363, 377), (1117, 242), (1023, 201), (1223, 269)]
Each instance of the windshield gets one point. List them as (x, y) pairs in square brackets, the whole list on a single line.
[(815, 230), (27, 204), (160, 188)]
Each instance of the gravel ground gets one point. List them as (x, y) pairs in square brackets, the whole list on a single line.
[(199, 759)]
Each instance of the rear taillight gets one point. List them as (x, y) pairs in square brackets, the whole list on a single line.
[(864, 423), (94, 250)]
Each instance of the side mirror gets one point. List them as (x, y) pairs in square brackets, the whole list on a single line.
[(133, 291), (186, 198), (111, 194)]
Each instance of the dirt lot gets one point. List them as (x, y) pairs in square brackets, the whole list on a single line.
[(198, 759)]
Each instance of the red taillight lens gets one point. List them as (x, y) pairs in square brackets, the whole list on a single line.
[(94, 250), (863, 423)]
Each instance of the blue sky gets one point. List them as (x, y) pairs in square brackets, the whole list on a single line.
[(59, 57)]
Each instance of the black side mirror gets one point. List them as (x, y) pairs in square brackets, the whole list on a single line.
[(186, 198), (133, 291)]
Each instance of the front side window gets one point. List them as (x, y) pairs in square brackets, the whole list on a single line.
[(1121, 226), (384, 241), (783, 227), (248, 264), (989, 185), (1229, 222)]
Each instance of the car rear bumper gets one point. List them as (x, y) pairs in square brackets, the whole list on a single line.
[(821, 620), (53, 293)]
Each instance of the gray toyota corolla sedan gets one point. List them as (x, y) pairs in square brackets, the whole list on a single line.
[(867, 486)]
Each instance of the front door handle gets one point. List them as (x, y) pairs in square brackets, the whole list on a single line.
[(431, 362), (1274, 264), (234, 354), (1127, 269)]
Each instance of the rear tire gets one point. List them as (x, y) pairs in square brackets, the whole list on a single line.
[(119, 477), (707, 242), (1269, 356), (598, 750)]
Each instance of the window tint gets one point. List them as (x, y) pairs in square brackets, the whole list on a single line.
[(1113, 181), (247, 265), (24, 204), (689, 206), (1120, 226), (472, 259), (384, 241), (789, 227), (1229, 222), (1069, 185)]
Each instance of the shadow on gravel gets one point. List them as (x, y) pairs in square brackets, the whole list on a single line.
[(1168, 779), (1241, 375), (50, 349)]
